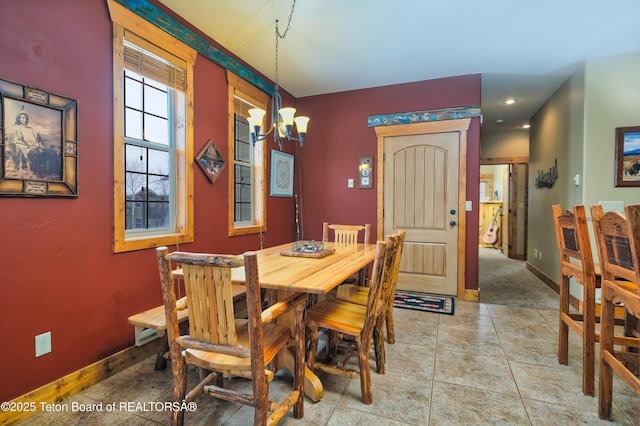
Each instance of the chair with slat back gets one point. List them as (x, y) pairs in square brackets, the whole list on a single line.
[(348, 234), (576, 261), (355, 320), (345, 234), (224, 345), (618, 240), (358, 294)]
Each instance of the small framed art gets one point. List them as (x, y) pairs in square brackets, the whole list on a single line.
[(365, 172), (210, 161), (627, 156), (281, 174)]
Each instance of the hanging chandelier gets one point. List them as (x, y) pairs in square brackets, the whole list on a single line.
[(282, 119)]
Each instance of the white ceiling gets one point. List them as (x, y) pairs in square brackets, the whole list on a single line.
[(523, 49)]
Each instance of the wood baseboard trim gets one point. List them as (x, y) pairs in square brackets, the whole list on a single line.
[(472, 295), (77, 381), (573, 301)]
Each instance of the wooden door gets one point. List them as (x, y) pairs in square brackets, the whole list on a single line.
[(422, 195)]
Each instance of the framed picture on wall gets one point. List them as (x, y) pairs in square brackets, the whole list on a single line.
[(281, 174), (210, 161), (39, 143), (627, 156)]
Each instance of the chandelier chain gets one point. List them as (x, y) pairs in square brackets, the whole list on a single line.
[(282, 36)]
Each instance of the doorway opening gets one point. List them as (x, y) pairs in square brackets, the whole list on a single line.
[(504, 209)]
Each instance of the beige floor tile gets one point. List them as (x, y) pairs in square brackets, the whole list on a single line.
[(475, 370), (459, 405)]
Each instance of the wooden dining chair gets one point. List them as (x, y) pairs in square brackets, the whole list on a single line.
[(227, 346), (618, 241), (576, 261), (358, 294), (356, 321), (348, 234)]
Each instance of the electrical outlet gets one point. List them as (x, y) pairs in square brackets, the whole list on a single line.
[(43, 343), (535, 254), (540, 255)]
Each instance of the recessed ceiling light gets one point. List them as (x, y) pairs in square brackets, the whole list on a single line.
[(510, 101), (526, 126), (499, 121)]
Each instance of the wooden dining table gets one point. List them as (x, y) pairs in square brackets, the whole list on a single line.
[(286, 273)]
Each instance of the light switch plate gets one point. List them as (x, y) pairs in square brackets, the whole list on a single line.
[(468, 206), (350, 183)]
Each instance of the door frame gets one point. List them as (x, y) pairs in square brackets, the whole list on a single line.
[(445, 126), (511, 225)]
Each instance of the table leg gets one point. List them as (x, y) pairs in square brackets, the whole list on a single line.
[(312, 385)]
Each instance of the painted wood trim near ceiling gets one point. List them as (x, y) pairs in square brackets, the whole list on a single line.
[(423, 116), (162, 20)]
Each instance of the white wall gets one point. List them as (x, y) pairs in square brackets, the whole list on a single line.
[(577, 126), (612, 100)]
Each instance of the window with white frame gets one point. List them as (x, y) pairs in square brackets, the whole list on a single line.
[(247, 183), (153, 137)]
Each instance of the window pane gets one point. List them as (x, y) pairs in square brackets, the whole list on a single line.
[(243, 213), (136, 215), (159, 188), (155, 101), (158, 162), (155, 129), (135, 186), (158, 215), (133, 94), (242, 144), (133, 124), (136, 160)]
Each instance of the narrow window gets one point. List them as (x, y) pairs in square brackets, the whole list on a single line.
[(247, 184), (153, 144)]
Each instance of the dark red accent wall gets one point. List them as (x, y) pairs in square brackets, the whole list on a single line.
[(58, 271), (338, 135)]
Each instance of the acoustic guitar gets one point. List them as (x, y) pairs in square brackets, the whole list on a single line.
[(491, 236)]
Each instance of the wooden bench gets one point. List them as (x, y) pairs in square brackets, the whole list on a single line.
[(155, 319)]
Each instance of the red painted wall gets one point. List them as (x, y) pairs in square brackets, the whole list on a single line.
[(338, 135), (58, 271)]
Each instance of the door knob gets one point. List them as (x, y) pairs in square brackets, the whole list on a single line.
[(452, 223)]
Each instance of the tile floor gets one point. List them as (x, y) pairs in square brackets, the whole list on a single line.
[(488, 364)]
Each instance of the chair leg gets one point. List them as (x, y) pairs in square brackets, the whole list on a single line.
[(332, 345), (179, 370), (313, 345), (563, 332), (378, 343), (589, 340), (365, 371), (388, 316), (605, 384)]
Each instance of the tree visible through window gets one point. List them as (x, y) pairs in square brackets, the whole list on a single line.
[(153, 137), (148, 153)]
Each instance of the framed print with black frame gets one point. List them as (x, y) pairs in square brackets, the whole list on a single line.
[(39, 144), (281, 174), (627, 167)]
